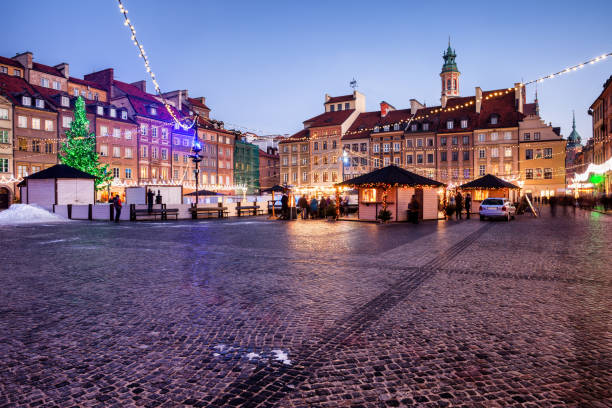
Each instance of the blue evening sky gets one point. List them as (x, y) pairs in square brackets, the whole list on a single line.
[(267, 65)]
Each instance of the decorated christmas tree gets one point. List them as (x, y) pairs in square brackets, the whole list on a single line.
[(79, 149)]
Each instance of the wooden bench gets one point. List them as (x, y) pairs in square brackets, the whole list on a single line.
[(162, 212), (248, 209), (171, 212), (221, 212)]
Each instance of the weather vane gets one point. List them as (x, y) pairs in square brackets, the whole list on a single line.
[(353, 83)]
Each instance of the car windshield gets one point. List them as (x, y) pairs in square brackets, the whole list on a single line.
[(493, 201)]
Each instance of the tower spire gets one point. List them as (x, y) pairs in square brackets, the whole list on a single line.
[(573, 120), (450, 73)]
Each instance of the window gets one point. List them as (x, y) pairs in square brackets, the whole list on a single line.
[(332, 108), (153, 110), (325, 176), (26, 100), (339, 106), (124, 115), (56, 85), (527, 136), (22, 122), (548, 153), (386, 128), (65, 101), (186, 143), (376, 129), (144, 153), (143, 172), (368, 195), (23, 145), (16, 72), (116, 132), (442, 141), (413, 127), (75, 92), (548, 173), (285, 161), (304, 176), (466, 155), (507, 152), (454, 140), (536, 135), (466, 140), (482, 137), (316, 146), (430, 142), (482, 169), (128, 134), (347, 106), (455, 173), (538, 153), (113, 112), (419, 142), (36, 146), (528, 154), (44, 82), (419, 159), (494, 152), (293, 160), (143, 130), (538, 173), (396, 126), (49, 125), (464, 123), (66, 121), (164, 154), (386, 147), (164, 134), (409, 143), (116, 151), (482, 153), (103, 150), (304, 147), (364, 161), (430, 158), (449, 124), (334, 145), (116, 172), (396, 147), (324, 145), (386, 161), (507, 135), (4, 136), (376, 162), (494, 119), (4, 165), (376, 148), (104, 130), (4, 70), (408, 159), (153, 132), (466, 173), (443, 156), (396, 161), (363, 147), (186, 157), (508, 168), (128, 152), (494, 136), (154, 152), (36, 123), (455, 156), (425, 126), (100, 110)]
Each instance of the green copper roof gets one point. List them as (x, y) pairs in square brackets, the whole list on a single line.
[(449, 60), (574, 138)]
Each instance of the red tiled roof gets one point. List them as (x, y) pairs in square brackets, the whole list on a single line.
[(529, 109), (86, 83), (12, 62), (302, 134), (197, 103), (141, 101), (46, 69), (12, 87), (343, 98), (504, 106), (329, 118)]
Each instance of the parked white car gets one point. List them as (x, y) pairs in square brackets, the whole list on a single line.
[(496, 208)]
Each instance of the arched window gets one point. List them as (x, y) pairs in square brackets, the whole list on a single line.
[(454, 84), (448, 84)]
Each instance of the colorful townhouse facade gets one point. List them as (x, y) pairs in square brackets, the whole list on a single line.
[(601, 114), (246, 165), (7, 178), (269, 167)]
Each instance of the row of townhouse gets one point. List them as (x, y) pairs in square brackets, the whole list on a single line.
[(492, 132), (135, 134)]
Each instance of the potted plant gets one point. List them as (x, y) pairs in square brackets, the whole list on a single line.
[(384, 215)]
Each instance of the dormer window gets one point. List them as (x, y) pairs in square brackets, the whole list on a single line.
[(100, 110), (176, 126), (413, 127), (56, 85), (425, 126), (65, 101), (386, 128), (332, 108), (124, 115), (347, 106), (96, 96), (44, 82), (26, 100), (339, 106), (75, 91), (494, 119), (464, 123), (40, 103), (153, 110), (376, 129), (449, 124), (113, 112), (396, 126), (16, 72)]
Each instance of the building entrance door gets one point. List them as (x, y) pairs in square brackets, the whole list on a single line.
[(4, 198)]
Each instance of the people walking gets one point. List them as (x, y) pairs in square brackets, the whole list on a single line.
[(552, 201), (285, 207), (117, 204), (322, 207), (413, 208), (303, 204), (314, 204), (458, 204), (150, 198), (468, 205)]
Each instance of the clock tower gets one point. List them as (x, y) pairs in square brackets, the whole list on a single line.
[(450, 74)]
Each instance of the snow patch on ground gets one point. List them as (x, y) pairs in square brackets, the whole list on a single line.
[(281, 356), (252, 355), (259, 357), (18, 214)]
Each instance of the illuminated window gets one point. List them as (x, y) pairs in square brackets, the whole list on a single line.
[(368, 195)]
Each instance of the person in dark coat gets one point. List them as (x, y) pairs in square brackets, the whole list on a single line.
[(322, 207), (285, 206), (458, 204), (117, 205), (158, 198), (150, 198), (314, 204), (468, 205), (413, 207), (303, 204)]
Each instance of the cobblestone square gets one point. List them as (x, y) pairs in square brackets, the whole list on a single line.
[(308, 314)]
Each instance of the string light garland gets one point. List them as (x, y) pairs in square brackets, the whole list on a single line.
[(593, 169), (142, 54), (570, 69)]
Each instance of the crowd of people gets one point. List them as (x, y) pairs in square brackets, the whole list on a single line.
[(313, 208), (456, 204)]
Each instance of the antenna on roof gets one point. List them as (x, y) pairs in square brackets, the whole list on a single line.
[(353, 83)]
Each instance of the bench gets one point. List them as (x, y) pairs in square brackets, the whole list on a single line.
[(162, 212), (249, 209), (221, 212)]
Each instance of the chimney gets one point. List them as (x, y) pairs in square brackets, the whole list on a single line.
[(142, 85), (443, 101), (478, 99), (103, 78), (385, 108), (25, 59), (415, 106), (64, 69), (519, 90)]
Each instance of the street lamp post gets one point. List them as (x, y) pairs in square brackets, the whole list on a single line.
[(196, 148), (345, 161)]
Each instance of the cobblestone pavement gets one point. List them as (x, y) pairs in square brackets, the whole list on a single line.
[(308, 314)]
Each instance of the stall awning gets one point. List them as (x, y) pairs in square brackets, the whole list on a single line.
[(487, 182), (60, 171), (393, 176)]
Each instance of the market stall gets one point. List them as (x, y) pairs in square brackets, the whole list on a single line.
[(489, 186)]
